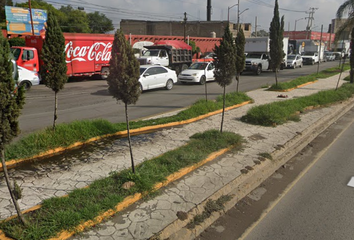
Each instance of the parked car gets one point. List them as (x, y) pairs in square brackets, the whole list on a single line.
[(294, 61), (156, 76), (27, 78), (329, 56), (198, 72)]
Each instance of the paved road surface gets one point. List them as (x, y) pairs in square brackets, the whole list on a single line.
[(316, 206), (90, 99)]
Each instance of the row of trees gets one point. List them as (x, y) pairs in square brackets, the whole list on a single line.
[(123, 81), (69, 19)]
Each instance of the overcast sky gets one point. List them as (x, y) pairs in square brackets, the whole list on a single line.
[(166, 10)]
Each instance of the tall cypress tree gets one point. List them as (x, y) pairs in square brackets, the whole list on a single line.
[(225, 64), (240, 42), (276, 31), (53, 70), (11, 103), (123, 79)]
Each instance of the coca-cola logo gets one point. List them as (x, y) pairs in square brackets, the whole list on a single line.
[(99, 51)]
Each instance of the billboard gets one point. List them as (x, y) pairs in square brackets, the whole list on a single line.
[(18, 21)]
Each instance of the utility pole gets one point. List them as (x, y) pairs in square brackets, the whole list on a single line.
[(310, 18), (255, 27), (238, 15), (185, 23), (30, 13)]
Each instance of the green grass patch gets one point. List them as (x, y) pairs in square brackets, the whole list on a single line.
[(57, 214), (210, 207), (309, 78), (80, 131), (266, 155), (277, 113)]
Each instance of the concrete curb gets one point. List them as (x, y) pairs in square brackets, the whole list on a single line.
[(13, 163), (245, 183)]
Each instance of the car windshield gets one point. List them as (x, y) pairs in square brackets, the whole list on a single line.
[(291, 57), (16, 53), (152, 53), (254, 55), (198, 66), (142, 70)]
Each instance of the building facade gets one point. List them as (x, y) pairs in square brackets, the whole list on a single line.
[(179, 28)]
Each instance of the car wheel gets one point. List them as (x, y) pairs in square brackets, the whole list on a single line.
[(169, 84), (294, 66), (104, 73), (26, 85), (259, 70), (202, 80)]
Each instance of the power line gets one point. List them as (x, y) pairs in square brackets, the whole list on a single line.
[(261, 3)]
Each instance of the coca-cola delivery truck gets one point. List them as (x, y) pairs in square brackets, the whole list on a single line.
[(86, 54)]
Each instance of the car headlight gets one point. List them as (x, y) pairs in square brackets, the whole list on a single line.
[(194, 74), (254, 63)]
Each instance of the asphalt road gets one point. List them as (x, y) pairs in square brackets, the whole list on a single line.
[(89, 99), (308, 198)]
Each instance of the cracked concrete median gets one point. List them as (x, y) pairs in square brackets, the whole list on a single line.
[(158, 215)]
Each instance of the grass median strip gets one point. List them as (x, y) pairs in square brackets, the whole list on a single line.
[(277, 113), (283, 86), (80, 131), (81, 205)]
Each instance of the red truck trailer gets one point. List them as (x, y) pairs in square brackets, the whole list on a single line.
[(86, 54)]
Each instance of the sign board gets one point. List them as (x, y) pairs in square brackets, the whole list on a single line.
[(18, 21)]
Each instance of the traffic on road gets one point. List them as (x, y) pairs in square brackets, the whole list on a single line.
[(89, 99)]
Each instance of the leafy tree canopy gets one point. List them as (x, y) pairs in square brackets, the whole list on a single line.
[(99, 23), (260, 33)]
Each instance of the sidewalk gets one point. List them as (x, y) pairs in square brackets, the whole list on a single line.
[(220, 177)]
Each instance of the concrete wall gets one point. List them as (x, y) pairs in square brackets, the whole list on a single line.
[(175, 28)]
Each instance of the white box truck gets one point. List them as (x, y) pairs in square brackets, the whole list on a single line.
[(257, 54)]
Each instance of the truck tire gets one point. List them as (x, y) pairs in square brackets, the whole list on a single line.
[(202, 80), (258, 70), (104, 73), (184, 67), (169, 84)]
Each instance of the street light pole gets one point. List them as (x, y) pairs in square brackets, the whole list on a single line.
[(228, 12), (296, 22)]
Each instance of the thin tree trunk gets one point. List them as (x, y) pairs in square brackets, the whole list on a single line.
[(352, 59), (130, 145), (223, 109), (276, 77), (7, 179), (55, 109), (237, 81), (206, 92)]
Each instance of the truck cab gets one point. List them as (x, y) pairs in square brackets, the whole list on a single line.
[(155, 56), (310, 57), (26, 57), (257, 62)]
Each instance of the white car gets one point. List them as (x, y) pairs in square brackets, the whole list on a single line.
[(27, 78), (156, 76), (294, 61), (199, 72)]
